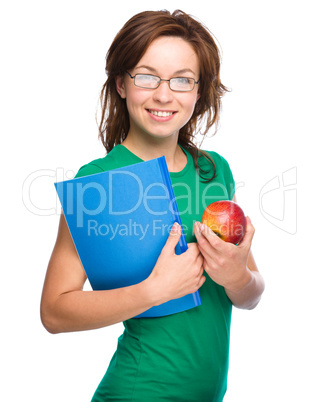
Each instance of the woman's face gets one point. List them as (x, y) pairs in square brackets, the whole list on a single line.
[(161, 112)]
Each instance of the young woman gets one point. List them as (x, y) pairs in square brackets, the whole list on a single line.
[(163, 84)]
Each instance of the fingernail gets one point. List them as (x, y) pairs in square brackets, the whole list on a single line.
[(175, 227), (200, 226)]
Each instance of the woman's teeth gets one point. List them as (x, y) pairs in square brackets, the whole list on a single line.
[(160, 114)]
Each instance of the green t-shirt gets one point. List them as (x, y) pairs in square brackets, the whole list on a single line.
[(182, 357)]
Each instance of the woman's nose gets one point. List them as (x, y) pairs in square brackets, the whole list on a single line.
[(163, 93)]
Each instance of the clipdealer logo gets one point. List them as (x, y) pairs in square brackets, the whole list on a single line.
[(277, 198)]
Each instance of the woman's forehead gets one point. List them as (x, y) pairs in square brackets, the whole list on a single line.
[(172, 54)]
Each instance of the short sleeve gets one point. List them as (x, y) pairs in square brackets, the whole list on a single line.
[(88, 169), (229, 178)]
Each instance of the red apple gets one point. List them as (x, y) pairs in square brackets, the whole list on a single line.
[(226, 219)]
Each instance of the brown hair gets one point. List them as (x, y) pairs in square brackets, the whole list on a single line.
[(128, 48)]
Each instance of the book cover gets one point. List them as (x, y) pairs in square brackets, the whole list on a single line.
[(119, 221)]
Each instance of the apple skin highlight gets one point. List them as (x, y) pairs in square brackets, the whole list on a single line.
[(226, 219)]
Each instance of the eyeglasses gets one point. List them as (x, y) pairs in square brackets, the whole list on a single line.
[(177, 84)]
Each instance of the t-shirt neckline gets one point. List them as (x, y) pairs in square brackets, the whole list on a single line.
[(137, 159)]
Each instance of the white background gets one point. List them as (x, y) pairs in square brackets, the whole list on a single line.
[(52, 70)]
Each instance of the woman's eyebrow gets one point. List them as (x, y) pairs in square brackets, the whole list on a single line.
[(153, 70), (185, 70)]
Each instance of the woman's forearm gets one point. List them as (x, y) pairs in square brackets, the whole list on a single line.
[(84, 310), (249, 296)]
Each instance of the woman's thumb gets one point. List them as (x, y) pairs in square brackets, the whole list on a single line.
[(173, 238)]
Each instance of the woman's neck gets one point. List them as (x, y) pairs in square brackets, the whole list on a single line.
[(154, 148)]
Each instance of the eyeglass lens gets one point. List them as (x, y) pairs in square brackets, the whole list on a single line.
[(152, 82)]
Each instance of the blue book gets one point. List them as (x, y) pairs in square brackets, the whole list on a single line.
[(119, 221)]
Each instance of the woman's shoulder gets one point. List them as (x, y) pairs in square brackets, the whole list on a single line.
[(207, 156), (93, 167), (110, 161)]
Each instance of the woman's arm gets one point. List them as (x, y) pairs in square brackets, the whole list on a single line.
[(248, 295), (232, 267), (66, 307)]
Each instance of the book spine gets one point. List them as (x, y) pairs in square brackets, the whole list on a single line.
[(165, 173), (182, 242)]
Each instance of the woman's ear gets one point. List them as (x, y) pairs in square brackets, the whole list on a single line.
[(120, 87)]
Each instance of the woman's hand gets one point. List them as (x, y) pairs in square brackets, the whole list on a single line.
[(230, 266), (224, 262), (174, 275)]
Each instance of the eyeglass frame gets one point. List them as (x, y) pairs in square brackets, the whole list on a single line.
[(160, 80)]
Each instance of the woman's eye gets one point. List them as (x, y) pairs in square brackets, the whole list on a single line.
[(182, 80)]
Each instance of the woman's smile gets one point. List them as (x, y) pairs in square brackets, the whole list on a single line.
[(161, 115)]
